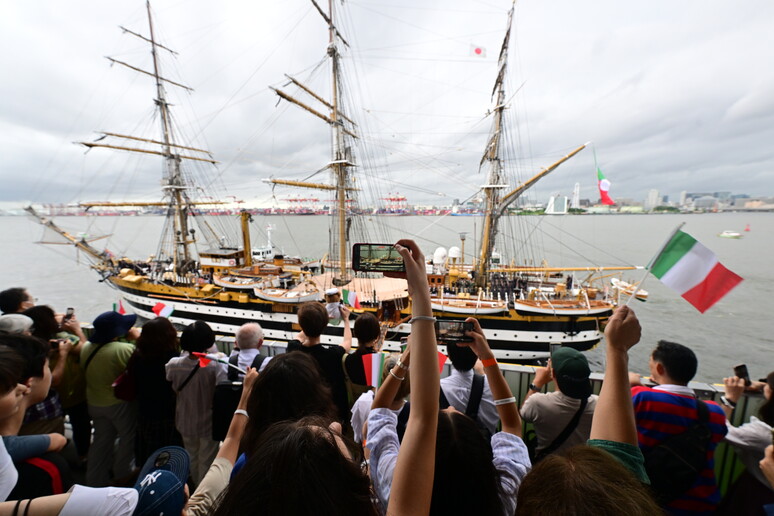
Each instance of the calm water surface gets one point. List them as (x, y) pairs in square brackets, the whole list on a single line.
[(739, 329)]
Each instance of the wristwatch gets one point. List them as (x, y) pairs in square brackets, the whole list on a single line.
[(534, 387), (727, 402)]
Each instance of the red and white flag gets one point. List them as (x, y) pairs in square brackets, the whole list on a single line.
[(477, 51)]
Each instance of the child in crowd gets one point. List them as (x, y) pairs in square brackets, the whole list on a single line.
[(11, 394), (195, 387)]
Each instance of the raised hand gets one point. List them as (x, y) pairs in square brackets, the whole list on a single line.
[(623, 329)]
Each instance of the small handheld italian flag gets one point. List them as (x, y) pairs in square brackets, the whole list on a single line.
[(350, 298), (119, 307), (693, 271), (162, 310), (205, 359), (373, 364)]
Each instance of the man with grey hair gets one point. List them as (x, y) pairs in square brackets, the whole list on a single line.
[(247, 346)]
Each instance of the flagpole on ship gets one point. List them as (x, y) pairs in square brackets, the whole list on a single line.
[(636, 286)]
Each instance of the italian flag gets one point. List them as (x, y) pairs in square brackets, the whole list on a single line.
[(162, 310), (693, 271), (350, 298), (604, 187), (373, 363)]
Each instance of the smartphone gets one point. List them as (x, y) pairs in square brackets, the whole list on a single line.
[(69, 314), (741, 372), (452, 331), (403, 344), (553, 346), (376, 258)]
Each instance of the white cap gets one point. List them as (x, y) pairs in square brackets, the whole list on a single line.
[(331, 291)]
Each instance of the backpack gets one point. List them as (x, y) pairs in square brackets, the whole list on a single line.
[(476, 393), (675, 464), (226, 398)]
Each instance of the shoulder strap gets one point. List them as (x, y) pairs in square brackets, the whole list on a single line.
[(566, 432), (232, 373), (443, 401), (188, 378), (88, 360), (476, 391), (257, 361)]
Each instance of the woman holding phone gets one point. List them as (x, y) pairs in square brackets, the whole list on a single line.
[(752, 490)]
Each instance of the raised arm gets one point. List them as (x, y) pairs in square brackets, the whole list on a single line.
[(501, 391), (614, 414), (412, 482), (346, 342)]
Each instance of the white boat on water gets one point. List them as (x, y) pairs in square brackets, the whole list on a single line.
[(730, 234), (469, 306), (299, 294), (627, 289)]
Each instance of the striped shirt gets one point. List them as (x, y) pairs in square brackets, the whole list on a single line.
[(660, 414)]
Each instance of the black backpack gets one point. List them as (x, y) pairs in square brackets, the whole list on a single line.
[(674, 465), (226, 398), (476, 392)]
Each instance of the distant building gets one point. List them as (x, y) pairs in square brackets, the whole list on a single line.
[(705, 203), (652, 200), (683, 197)]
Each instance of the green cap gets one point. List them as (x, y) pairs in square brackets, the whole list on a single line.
[(571, 372)]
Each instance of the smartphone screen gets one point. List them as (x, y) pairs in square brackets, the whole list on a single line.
[(69, 314), (376, 258), (452, 331), (553, 346), (741, 372)]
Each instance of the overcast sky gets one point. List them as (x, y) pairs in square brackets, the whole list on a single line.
[(674, 95)]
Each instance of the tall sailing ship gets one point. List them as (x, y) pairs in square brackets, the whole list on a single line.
[(202, 277)]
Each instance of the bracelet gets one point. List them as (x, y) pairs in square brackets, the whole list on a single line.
[(396, 376), (489, 362), (505, 401), (534, 387), (402, 365), (727, 402), (243, 412), (422, 318)]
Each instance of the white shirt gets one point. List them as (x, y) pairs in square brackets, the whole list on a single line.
[(9, 475), (456, 387), (245, 360), (509, 457), (750, 441)]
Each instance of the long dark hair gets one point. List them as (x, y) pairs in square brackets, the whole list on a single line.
[(298, 468), (766, 412), (289, 388), (44, 325), (584, 481), (466, 481), (158, 339)]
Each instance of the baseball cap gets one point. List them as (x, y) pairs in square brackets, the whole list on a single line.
[(161, 484), (15, 323), (109, 325), (571, 372)]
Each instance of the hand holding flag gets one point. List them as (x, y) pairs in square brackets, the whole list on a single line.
[(205, 359)]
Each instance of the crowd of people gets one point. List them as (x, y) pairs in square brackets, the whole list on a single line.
[(161, 424)]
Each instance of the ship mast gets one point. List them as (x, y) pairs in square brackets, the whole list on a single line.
[(174, 185), (495, 184), (341, 159), (496, 202)]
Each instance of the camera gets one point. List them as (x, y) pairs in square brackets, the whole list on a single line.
[(55, 343), (452, 331), (376, 258)]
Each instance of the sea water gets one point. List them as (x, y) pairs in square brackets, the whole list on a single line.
[(739, 329)]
